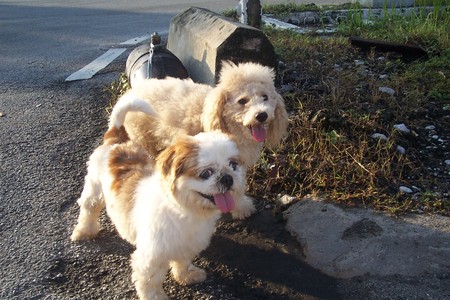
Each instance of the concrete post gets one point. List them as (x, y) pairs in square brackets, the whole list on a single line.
[(249, 12)]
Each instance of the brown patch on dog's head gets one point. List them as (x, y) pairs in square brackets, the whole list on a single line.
[(116, 136), (178, 159), (128, 163)]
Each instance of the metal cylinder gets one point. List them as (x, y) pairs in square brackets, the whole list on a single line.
[(153, 61)]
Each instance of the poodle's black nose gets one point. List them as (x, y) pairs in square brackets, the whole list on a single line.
[(261, 117), (226, 180)]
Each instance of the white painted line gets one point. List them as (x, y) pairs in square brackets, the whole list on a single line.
[(95, 66)]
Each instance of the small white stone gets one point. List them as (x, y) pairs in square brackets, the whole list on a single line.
[(387, 90), (268, 206), (400, 149), (402, 128), (379, 136), (405, 190), (359, 62), (447, 162), (383, 76), (435, 137), (430, 127), (286, 199)]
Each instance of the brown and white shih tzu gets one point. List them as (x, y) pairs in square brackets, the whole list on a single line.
[(167, 207)]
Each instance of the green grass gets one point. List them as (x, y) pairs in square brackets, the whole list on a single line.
[(429, 30)]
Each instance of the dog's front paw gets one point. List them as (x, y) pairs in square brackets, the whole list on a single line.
[(81, 232), (244, 208), (190, 276)]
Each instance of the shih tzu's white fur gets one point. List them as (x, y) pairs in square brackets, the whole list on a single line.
[(244, 104), (167, 207)]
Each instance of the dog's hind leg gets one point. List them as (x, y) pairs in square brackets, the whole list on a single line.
[(186, 273), (91, 204)]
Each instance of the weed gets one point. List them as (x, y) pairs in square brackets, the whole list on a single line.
[(116, 89)]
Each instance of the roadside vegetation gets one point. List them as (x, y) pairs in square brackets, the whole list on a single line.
[(340, 96), (368, 128)]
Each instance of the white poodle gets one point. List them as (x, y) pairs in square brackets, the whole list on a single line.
[(244, 104)]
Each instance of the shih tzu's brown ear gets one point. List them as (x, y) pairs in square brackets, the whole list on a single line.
[(278, 127), (212, 115), (178, 159)]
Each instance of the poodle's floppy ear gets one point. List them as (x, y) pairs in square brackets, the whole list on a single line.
[(212, 115), (277, 128)]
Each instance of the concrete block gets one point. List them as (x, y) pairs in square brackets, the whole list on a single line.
[(202, 39)]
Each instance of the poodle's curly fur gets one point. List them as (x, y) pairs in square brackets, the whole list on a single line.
[(244, 104)]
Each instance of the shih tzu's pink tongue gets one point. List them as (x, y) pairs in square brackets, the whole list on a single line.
[(259, 133), (224, 202)]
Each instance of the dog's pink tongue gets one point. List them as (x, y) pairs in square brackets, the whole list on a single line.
[(259, 133), (224, 202)]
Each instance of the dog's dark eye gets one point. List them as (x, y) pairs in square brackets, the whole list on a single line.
[(242, 101), (205, 174), (265, 97), (234, 165)]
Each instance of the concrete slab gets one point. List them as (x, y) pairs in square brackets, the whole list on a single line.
[(345, 243), (202, 39)]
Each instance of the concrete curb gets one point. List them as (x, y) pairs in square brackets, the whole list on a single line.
[(345, 243)]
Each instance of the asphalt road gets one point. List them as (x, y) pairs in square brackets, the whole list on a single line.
[(49, 127)]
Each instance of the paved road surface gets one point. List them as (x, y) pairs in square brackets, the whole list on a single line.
[(49, 127)]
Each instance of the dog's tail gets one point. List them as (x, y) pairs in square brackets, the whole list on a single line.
[(116, 133), (128, 103)]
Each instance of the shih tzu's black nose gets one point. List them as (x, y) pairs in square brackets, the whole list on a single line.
[(226, 180), (261, 117)]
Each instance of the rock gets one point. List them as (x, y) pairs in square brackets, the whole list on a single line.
[(405, 190), (430, 127), (400, 149), (402, 128), (387, 90), (380, 136), (286, 199)]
